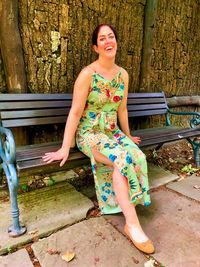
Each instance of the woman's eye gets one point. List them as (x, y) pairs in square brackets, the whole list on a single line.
[(101, 39)]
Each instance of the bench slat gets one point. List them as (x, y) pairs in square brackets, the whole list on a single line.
[(135, 101), (34, 113), (169, 138), (36, 163), (146, 107), (145, 95), (154, 134), (34, 104), (24, 97), (36, 151), (34, 121), (146, 113)]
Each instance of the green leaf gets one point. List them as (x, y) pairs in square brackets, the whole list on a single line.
[(8, 249)]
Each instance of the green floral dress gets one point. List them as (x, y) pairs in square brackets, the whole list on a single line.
[(98, 129)]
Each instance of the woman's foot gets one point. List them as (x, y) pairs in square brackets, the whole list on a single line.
[(139, 239)]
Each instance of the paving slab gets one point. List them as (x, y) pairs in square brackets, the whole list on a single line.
[(187, 187), (159, 176), (17, 259), (94, 242), (172, 223), (43, 211)]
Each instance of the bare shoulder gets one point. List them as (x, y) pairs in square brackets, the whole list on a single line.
[(84, 77), (86, 72), (124, 73)]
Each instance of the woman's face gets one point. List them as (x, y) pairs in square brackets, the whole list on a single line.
[(106, 42)]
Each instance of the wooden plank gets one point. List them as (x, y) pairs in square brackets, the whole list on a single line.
[(19, 97), (36, 163), (34, 121), (145, 135), (34, 104), (36, 153), (34, 113), (145, 100), (146, 107), (146, 113), (145, 95), (170, 138)]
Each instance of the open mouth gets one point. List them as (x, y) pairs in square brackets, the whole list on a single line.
[(109, 48)]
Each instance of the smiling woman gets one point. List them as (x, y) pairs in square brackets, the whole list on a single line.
[(119, 166)]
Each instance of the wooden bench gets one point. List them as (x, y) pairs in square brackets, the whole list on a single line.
[(30, 110), (142, 105)]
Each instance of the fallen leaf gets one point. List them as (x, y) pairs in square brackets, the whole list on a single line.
[(68, 256), (96, 259), (33, 232), (135, 260), (181, 177), (196, 186), (68, 212), (52, 252)]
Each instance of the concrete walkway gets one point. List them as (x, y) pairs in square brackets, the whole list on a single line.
[(171, 221)]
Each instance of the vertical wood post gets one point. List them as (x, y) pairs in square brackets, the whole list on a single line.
[(149, 20), (11, 47)]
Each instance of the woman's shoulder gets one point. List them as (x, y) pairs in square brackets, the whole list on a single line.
[(85, 73), (124, 72)]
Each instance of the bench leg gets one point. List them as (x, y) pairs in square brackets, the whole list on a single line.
[(195, 145), (15, 229)]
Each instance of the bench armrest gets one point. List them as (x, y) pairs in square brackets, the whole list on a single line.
[(8, 151), (193, 122)]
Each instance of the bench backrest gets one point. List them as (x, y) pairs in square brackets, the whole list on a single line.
[(146, 104), (34, 109)]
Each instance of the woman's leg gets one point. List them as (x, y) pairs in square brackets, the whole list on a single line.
[(121, 190)]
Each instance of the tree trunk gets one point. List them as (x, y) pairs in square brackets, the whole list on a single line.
[(11, 47), (178, 101), (149, 20)]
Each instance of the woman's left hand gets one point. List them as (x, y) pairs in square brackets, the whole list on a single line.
[(135, 139)]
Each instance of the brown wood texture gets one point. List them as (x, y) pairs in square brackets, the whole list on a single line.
[(11, 47), (177, 101)]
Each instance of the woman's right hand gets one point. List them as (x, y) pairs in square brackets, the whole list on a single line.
[(61, 154)]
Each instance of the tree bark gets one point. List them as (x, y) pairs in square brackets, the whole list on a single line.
[(149, 20), (11, 47), (178, 101)]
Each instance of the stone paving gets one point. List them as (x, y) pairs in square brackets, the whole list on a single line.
[(16, 259), (189, 187), (43, 211), (171, 221), (94, 242)]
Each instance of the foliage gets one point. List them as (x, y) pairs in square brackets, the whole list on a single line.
[(189, 169)]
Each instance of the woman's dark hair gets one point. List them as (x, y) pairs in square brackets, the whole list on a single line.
[(96, 32)]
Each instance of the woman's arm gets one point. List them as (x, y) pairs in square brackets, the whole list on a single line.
[(80, 93), (123, 113)]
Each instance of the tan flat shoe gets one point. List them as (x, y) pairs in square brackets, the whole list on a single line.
[(146, 247)]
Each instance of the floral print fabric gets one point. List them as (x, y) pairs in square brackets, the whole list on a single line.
[(98, 129)]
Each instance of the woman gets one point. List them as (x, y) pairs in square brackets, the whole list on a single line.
[(119, 166)]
